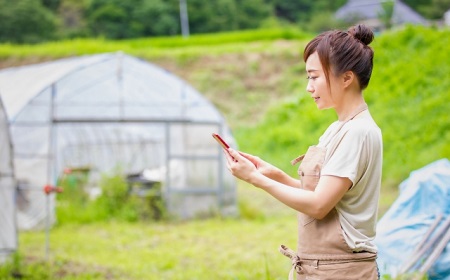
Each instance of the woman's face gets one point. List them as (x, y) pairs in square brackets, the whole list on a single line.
[(317, 83)]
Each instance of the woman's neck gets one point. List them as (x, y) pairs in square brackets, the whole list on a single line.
[(350, 108)]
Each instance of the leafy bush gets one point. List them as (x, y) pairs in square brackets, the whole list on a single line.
[(116, 202), (26, 21)]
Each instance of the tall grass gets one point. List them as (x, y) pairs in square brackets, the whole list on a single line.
[(172, 47)]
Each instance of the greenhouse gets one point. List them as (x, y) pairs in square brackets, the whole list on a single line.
[(114, 113), (8, 228)]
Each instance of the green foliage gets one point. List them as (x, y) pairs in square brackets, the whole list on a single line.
[(26, 21), (302, 11), (72, 21), (200, 249), (158, 47), (115, 19), (324, 21), (116, 202), (15, 268), (21, 267), (406, 97), (409, 276), (407, 93), (156, 17), (432, 9), (51, 4), (417, 4), (436, 9)]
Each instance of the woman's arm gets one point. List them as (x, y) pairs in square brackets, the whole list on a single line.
[(271, 171), (317, 203)]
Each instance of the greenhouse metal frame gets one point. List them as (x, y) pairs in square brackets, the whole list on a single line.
[(112, 112), (8, 226)]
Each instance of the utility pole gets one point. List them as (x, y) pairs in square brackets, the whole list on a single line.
[(184, 19)]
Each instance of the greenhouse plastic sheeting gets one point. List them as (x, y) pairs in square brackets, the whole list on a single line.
[(424, 196), (8, 230), (112, 112)]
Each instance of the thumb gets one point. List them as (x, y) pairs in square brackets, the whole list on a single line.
[(233, 153)]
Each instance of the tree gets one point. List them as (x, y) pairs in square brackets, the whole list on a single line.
[(293, 11), (157, 17), (51, 4), (26, 21), (113, 18), (119, 19), (303, 11), (436, 10), (417, 5), (72, 18), (251, 13), (224, 15), (212, 16)]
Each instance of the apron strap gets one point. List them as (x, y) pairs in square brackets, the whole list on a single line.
[(358, 110), (297, 159), (296, 263)]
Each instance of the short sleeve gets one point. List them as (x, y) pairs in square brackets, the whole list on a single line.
[(348, 157)]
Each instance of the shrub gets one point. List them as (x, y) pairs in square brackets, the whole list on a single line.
[(117, 201)]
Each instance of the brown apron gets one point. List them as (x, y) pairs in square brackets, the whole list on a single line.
[(323, 252)]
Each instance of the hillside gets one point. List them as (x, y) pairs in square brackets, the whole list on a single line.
[(408, 97), (257, 79)]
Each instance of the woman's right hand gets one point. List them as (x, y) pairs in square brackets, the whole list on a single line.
[(262, 166)]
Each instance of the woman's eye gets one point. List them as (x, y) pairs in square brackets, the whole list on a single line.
[(311, 78)]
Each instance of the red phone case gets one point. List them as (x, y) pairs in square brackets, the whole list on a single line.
[(220, 140)]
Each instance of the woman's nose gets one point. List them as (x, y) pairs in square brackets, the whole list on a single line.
[(309, 87)]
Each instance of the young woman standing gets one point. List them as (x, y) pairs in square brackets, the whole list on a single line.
[(337, 192)]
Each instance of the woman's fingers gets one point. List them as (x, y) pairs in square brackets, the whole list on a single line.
[(255, 160), (234, 154)]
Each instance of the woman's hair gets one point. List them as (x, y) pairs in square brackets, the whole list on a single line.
[(341, 51)]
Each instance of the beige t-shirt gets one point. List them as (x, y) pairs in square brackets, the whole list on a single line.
[(356, 152)]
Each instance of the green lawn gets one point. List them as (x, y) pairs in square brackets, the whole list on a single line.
[(216, 248)]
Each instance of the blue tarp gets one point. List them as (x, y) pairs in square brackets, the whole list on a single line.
[(423, 197)]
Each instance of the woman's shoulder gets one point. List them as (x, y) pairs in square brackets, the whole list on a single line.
[(363, 124), (362, 130)]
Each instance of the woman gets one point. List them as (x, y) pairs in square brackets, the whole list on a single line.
[(338, 190)]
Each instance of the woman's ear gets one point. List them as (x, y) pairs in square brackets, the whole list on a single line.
[(348, 78)]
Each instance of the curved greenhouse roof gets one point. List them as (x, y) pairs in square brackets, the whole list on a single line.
[(114, 86), (108, 110)]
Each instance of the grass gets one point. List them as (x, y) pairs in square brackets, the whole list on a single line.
[(194, 250), (173, 48), (258, 84), (218, 248)]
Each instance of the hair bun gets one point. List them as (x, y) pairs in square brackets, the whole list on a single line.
[(362, 33)]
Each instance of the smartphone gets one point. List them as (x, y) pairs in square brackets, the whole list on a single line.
[(220, 141)]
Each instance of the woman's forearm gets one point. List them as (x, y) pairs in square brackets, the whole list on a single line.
[(290, 195), (282, 177), (317, 203)]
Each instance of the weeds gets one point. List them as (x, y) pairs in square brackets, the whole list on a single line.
[(116, 202)]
